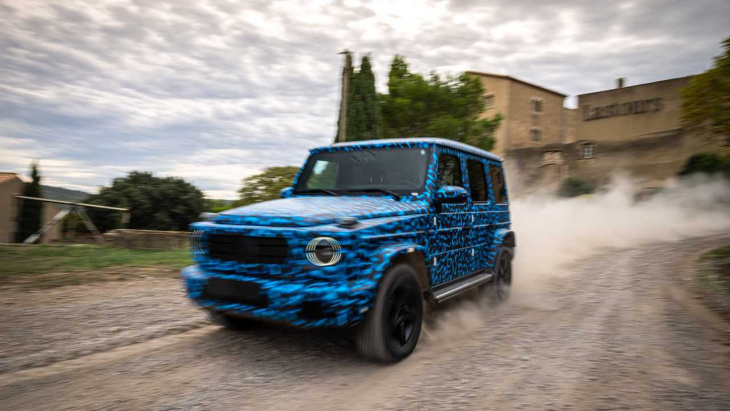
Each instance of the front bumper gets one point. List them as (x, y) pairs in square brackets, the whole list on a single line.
[(302, 304)]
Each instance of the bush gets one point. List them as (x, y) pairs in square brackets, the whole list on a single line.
[(708, 163), (573, 187), (155, 203)]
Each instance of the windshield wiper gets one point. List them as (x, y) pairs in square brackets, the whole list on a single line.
[(318, 190), (376, 190)]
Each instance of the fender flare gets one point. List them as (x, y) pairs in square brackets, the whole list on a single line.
[(504, 237), (385, 258)]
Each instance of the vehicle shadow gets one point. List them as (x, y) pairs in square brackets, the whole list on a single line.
[(263, 341)]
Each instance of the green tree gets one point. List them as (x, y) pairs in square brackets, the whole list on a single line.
[(155, 203), (30, 211), (216, 206), (364, 118), (706, 100), (439, 107), (266, 185)]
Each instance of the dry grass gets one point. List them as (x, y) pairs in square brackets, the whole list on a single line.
[(45, 266)]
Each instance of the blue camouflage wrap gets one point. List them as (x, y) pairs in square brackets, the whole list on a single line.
[(454, 241)]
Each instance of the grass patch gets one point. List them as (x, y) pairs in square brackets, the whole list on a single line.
[(717, 254), (53, 265), (714, 275)]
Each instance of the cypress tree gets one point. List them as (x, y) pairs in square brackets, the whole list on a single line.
[(355, 117), (30, 211), (371, 125), (363, 120)]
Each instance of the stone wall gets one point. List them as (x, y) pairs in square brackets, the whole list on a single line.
[(147, 239), (649, 160)]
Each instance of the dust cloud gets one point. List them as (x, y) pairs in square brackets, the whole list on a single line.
[(552, 233)]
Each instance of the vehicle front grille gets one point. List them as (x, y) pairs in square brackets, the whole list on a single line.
[(244, 249), (234, 291)]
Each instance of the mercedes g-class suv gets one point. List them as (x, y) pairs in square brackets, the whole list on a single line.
[(369, 232)]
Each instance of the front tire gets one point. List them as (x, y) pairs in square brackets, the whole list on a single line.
[(392, 327)]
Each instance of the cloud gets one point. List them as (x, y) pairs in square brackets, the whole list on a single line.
[(214, 90)]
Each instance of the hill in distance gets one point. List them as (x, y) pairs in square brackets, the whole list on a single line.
[(63, 194)]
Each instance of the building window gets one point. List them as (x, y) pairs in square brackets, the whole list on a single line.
[(536, 134), (489, 101), (587, 150), (536, 105)]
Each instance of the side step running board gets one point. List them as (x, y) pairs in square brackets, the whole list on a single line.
[(458, 287)]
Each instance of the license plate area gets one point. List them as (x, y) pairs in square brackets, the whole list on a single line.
[(234, 291)]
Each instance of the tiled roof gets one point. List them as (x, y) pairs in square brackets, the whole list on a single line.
[(505, 77), (4, 177)]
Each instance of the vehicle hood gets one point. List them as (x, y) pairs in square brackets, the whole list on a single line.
[(319, 210)]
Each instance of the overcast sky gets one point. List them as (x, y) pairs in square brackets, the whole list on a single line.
[(214, 91)]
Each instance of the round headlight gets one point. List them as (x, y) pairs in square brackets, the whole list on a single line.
[(323, 251)]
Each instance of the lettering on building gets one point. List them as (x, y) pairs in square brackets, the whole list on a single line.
[(622, 109)]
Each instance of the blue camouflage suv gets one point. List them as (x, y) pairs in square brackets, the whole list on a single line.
[(369, 232)]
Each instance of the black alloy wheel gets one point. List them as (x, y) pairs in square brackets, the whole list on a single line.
[(402, 317), (503, 275), (393, 325)]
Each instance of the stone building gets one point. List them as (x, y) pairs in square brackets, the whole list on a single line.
[(533, 115), (10, 186), (635, 130)]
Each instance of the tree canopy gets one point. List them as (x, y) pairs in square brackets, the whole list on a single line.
[(446, 107), (266, 185), (156, 203), (363, 120), (706, 100), (30, 211)]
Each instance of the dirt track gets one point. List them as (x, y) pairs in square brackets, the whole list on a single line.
[(620, 331)]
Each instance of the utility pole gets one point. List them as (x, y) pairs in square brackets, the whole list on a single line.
[(346, 77)]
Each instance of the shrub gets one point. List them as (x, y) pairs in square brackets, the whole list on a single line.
[(573, 187), (708, 163)]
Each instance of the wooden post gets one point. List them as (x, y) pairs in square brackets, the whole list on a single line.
[(74, 208)]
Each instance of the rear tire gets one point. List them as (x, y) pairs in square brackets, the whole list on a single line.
[(392, 327), (502, 284)]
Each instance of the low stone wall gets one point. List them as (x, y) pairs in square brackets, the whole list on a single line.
[(147, 239)]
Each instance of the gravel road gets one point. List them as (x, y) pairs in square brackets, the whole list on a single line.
[(618, 330)]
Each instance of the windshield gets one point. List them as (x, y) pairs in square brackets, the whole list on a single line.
[(401, 171)]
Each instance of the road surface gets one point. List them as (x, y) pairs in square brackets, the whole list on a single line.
[(618, 330)]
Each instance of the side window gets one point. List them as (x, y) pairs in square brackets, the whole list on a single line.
[(477, 181), (449, 173), (498, 185)]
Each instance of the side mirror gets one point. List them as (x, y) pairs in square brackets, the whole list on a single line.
[(286, 192), (451, 195)]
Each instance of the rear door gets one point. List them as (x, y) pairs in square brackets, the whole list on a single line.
[(498, 215), (480, 213)]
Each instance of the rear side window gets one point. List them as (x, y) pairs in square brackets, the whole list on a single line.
[(449, 171), (499, 187), (477, 181)]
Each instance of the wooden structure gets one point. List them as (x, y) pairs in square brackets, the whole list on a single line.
[(72, 208)]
